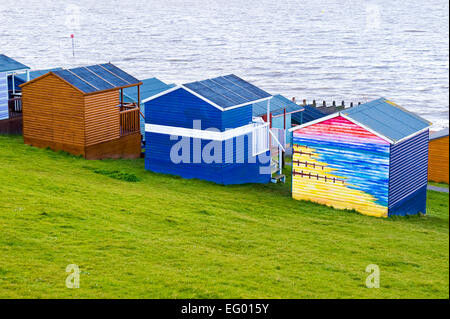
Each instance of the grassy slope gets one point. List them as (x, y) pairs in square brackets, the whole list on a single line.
[(165, 237)]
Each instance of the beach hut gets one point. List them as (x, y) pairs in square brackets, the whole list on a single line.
[(438, 157), (281, 112), (206, 130), (10, 100), (82, 111), (149, 88), (310, 113), (372, 158)]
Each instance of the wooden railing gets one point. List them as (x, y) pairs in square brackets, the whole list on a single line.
[(15, 107), (129, 121)]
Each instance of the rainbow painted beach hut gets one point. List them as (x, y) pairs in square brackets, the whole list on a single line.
[(372, 158)]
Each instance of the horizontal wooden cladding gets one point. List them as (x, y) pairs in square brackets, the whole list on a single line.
[(438, 164), (69, 148), (102, 117), (53, 111), (128, 147)]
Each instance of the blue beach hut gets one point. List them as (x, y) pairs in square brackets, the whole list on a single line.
[(9, 67), (205, 130)]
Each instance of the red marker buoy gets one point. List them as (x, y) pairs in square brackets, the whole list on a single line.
[(73, 45)]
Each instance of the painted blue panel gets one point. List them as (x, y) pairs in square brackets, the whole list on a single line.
[(210, 94), (92, 78), (227, 91), (97, 77), (180, 108), (224, 90), (4, 114), (408, 169), (75, 81), (413, 204), (365, 166), (232, 165), (232, 90), (236, 117), (119, 73), (107, 76), (247, 86)]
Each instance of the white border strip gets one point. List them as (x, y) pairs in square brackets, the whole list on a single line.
[(202, 134), (176, 87)]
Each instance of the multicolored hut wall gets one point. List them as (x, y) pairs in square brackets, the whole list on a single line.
[(10, 99), (205, 130), (438, 157), (82, 111), (372, 158)]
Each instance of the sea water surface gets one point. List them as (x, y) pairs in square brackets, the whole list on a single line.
[(323, 50)]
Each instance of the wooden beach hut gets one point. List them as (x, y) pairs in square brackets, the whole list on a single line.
[(372, 158), (10, 99), (205, 130), (82, 111), (438, 157)]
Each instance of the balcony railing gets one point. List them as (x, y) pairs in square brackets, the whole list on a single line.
[(129, 121), (15, 107)]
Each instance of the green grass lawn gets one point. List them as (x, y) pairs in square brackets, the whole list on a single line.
[(136, 234)]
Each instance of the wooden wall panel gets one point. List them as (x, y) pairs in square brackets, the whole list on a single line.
[(438, 160), (53, 113), (102, 117), (128, 147)]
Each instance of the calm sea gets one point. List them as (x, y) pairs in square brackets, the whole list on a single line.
[(323, 50)]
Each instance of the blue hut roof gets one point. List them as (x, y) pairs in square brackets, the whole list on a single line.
[(96, 78), (8, 64), (227, 91), (34, 74), (310, 113), (277, 105), (22, 77), (387, 119), (149, 88)]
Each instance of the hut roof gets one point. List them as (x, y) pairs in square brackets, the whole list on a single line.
[(439, 134), (277, 105), (310, 113), (150, 87), (95, 78), (8, 64), (227, 91), (34, 74), (383, 118)]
